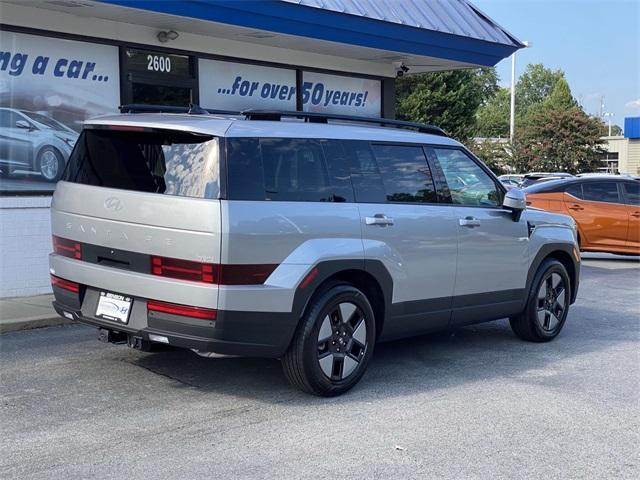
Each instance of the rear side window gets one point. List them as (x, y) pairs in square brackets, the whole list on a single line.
[(632, 193), (405, 173), (161, 161), (283, 169), (575, 190), (365, 175), (601, 192)]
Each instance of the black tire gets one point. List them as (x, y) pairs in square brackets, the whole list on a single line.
[(345, 343), (50, 164), (543, 319)]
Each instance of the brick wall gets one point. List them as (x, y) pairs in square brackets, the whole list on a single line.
[(25, 243)]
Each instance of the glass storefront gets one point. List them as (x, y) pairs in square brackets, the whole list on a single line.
[(49, 86)]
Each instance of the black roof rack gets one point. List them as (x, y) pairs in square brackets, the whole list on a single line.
[(316, 117), (277, 115), (192, 109)]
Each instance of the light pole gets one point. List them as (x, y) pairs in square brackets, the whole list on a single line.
[(512, 119)]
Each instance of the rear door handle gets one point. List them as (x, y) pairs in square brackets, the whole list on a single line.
[(379, 219), (636, 214), (469, 222), (576, 207)]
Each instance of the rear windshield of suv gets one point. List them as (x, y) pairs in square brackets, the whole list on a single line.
[(158, 161)]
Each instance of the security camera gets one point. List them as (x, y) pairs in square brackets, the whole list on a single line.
[(164, 37), (401, 68)]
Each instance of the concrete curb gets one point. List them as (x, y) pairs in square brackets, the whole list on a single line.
[(28, 323)]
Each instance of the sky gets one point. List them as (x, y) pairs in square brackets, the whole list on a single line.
[(595, 42)]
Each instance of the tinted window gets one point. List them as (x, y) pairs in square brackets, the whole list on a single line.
[(365, 175), (294, 170), (8, 118), (283, 169), (468, 183), (575, 190), (163, 161), (405, 173), (632, 193), (339, 169), (245, 177), (601, 192)]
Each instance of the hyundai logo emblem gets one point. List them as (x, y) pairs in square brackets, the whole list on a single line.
[(113, 203)]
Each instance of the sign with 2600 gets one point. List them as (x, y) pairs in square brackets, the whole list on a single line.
[(156, 62)]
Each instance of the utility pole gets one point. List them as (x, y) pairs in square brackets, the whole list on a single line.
[(609, 115)]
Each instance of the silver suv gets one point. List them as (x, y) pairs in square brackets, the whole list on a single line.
[(305, 239)]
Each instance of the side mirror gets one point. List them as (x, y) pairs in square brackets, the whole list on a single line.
[(23, 124), (516, 201)]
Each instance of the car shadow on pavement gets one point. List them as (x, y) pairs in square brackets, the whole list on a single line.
[(403, 367)]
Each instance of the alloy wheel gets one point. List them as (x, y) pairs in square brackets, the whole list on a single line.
[(342, 341), (551, 302), (49, 165)]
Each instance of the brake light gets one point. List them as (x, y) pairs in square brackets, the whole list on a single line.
[(65, 284), (67, 248), (184, 269), (182, 310), (251, 274)]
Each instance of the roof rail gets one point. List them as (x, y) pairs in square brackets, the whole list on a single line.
[(277, 115), (192, 109), (317, 117)]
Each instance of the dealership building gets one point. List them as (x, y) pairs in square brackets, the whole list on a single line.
[(63, 61)]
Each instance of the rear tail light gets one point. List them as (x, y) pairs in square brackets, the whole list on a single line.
[(67, 248), (253, 274), (184, 269), (65, 284), (182, 310)]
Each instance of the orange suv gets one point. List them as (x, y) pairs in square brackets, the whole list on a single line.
[(606, 209)]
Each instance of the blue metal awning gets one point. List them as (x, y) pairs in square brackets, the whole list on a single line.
[(419, 30)]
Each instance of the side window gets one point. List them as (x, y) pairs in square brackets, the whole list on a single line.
[(294, 170), (468, 183), (284, 169), (575, 190), (365, 176), (245, 178), (601, 192), (339, 169), (632, 193), (8, 118), (405, 173)]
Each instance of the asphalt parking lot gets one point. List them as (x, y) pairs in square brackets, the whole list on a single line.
[(475, 403)]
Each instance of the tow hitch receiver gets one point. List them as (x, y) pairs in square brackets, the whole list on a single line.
[(139, 343), (109, 336)]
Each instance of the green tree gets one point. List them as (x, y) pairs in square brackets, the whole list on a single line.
[(534, 85), (448, 99), (560, 97), (496, 155), (558, 140), (493, 116)]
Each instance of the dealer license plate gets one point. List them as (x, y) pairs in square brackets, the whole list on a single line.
[(114, 307)]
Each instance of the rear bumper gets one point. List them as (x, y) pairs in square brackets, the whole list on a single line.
[(251, 334)]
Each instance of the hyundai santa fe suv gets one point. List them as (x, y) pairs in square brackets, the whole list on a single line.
[(305, 239)]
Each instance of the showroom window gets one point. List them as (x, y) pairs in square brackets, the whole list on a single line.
[(158, 78)]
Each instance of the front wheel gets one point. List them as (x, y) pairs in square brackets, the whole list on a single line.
[(547, 306), (50, 164), (333, 344)]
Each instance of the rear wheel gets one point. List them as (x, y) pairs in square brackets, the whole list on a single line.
[(547, 306), (333, 344)]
